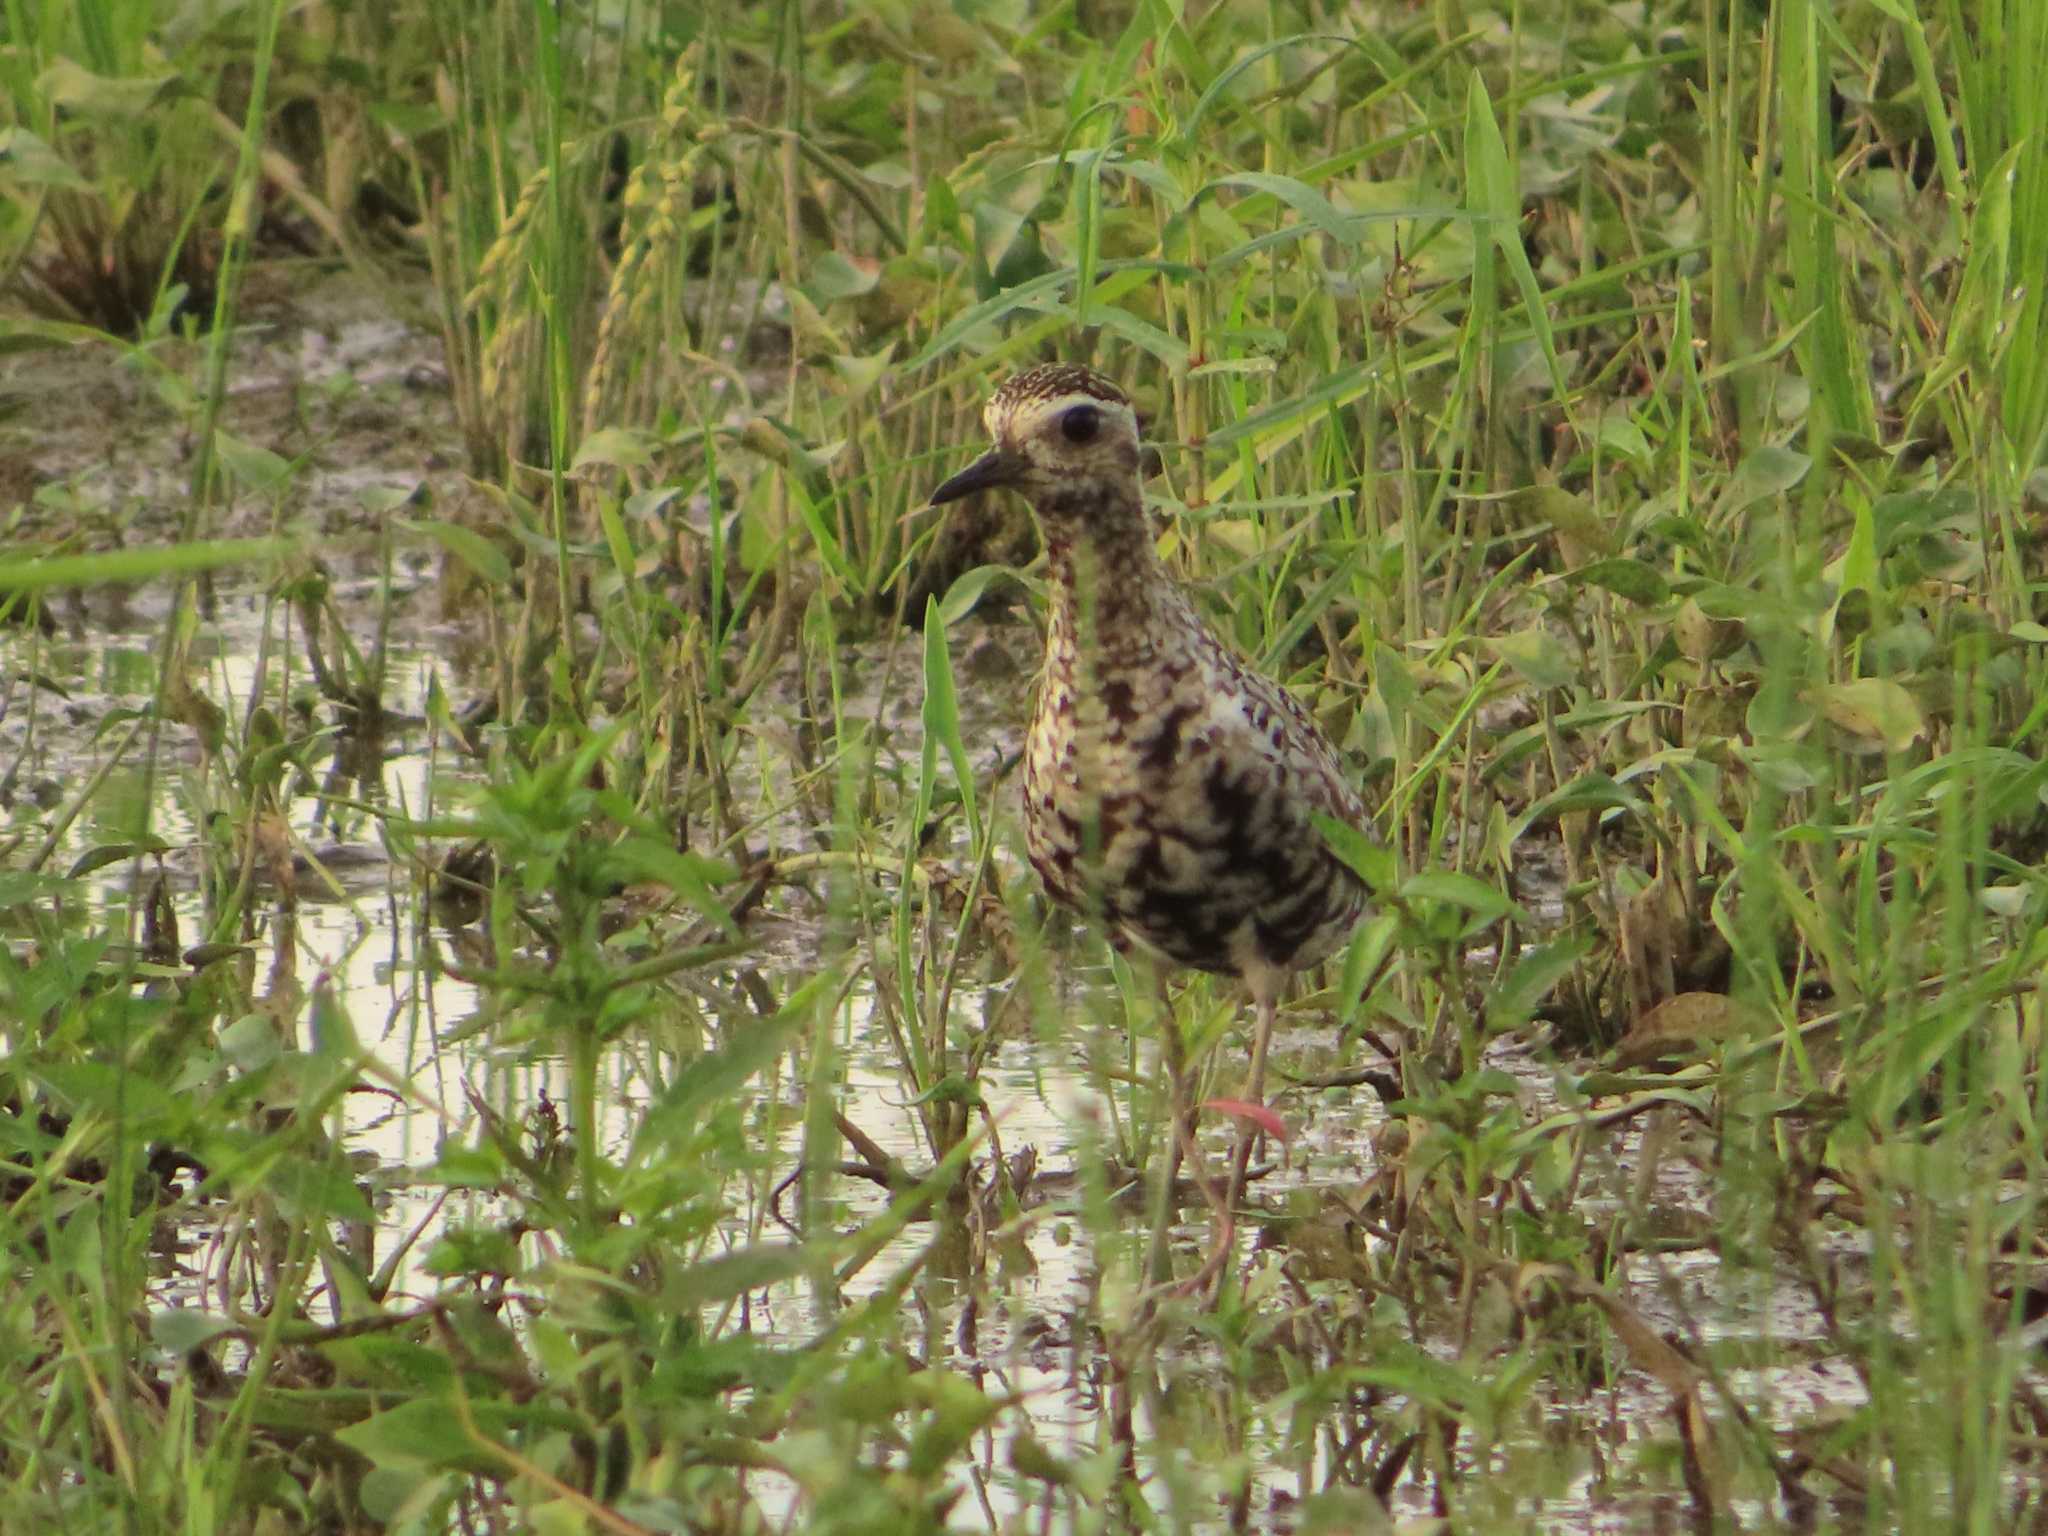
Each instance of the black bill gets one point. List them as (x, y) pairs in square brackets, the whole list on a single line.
[(996, 467)]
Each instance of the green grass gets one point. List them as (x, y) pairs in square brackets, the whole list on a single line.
[(1624, 426)]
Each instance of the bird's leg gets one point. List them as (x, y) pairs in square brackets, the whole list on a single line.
[(1265, 1004), (1184, 1152), (1156, 1265)]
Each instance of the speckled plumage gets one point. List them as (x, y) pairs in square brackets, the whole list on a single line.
[(1168, 788)]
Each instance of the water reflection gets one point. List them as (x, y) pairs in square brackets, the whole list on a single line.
[(1031, 1323)]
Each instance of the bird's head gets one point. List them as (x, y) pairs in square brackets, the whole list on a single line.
[(1065, 438)]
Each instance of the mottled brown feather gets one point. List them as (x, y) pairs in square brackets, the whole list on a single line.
[(1168, 788)]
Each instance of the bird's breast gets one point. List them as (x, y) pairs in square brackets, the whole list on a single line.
[(1169, 793)]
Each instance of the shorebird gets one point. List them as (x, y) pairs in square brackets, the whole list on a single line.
[(1169, 789)]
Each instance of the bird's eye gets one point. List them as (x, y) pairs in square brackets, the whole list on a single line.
[(1081, 423)]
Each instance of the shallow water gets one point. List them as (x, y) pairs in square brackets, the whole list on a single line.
[(330, 374)]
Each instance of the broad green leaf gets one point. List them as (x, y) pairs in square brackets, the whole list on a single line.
[(403, 1498), (860, 374), (616, 448), (1465, 892), (613, 526), (256, 467), (691, 876), (310, 1191), (1163, 345), (428, 1432), (1875, 710), (30, 162), (1856, 570), (1536, 971), (1770, 471), (1537, 655), (1305, 200), (94, 859), (1620, 435), (73, 86), (1370, 943), (180, 1330), (251, 1043), (718, 1075), (731, 1274), (332, 1031), (1571, 514), (966, 592), (1371, 862), (462, 1166), (1640, 583), (833, 277), (1588, 793)]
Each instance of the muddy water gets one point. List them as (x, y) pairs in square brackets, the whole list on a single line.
[(325, 373)]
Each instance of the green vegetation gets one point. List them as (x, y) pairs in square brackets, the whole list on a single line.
[(1627, 427)]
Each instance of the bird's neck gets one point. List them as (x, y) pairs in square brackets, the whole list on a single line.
[(1110, 597)]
